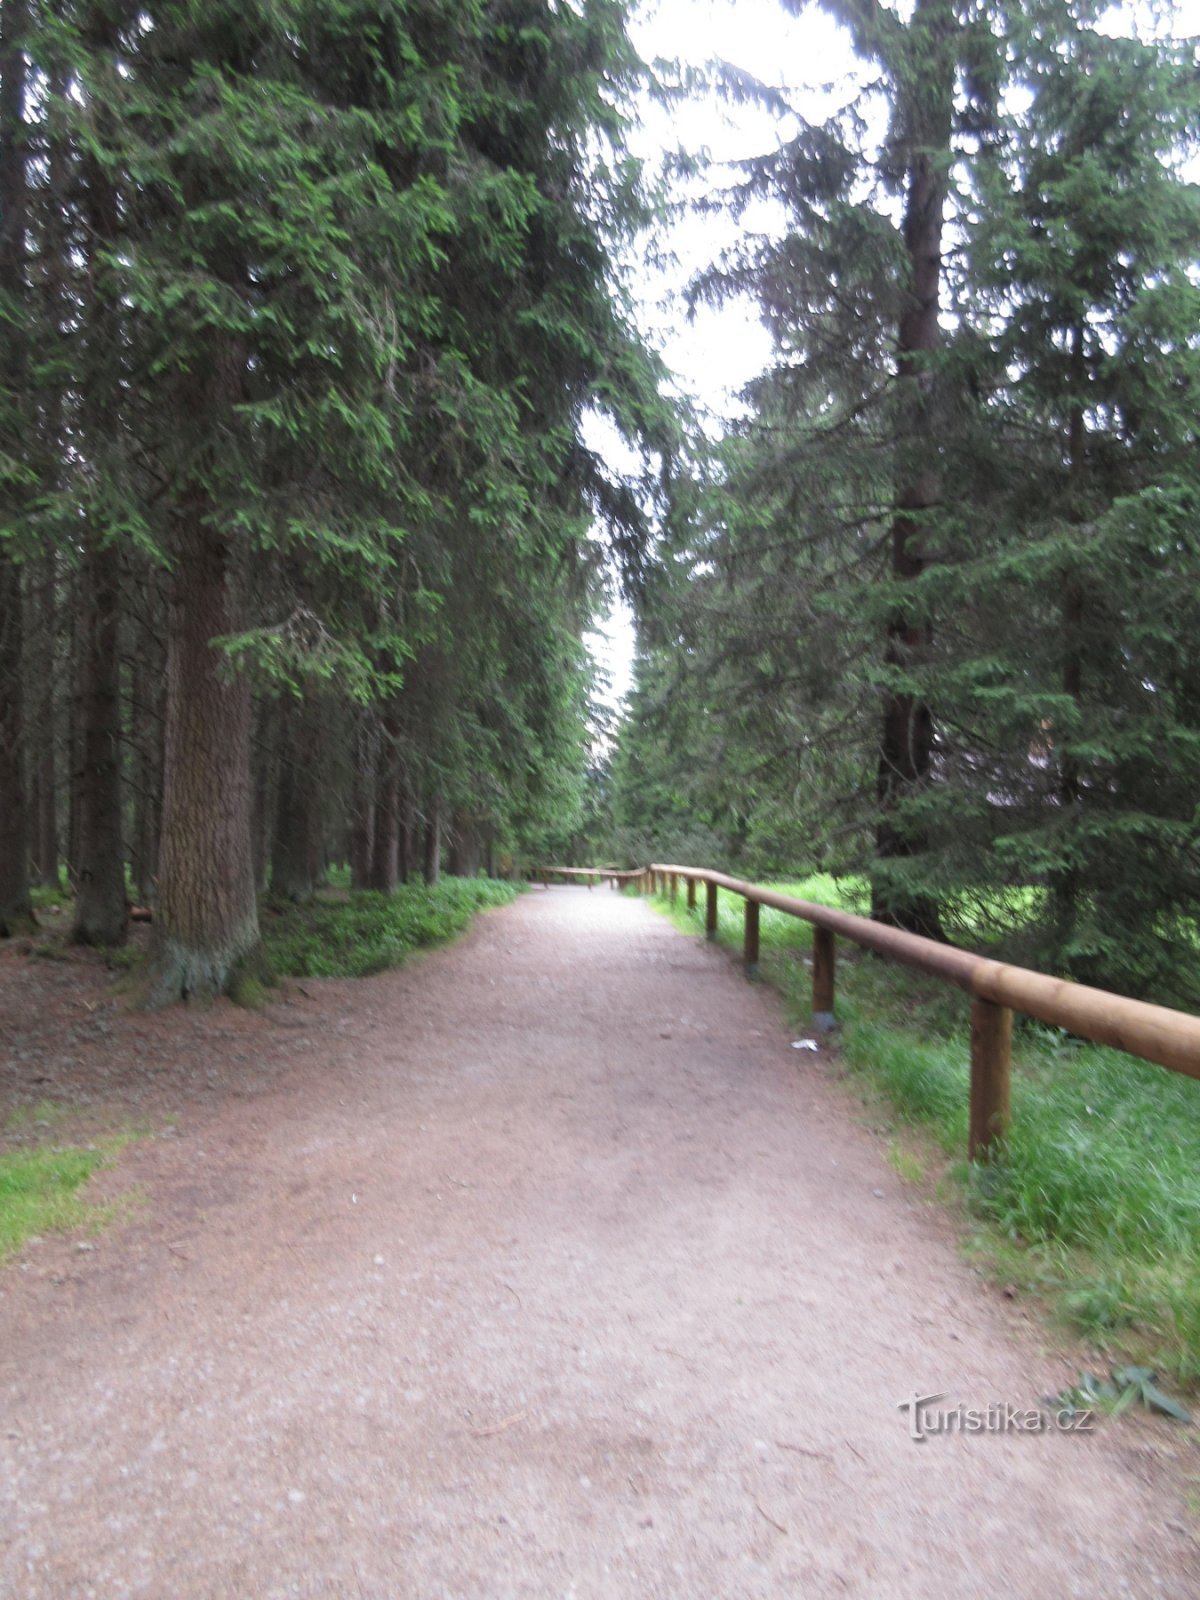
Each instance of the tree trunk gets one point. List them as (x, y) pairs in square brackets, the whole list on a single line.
[(362, 810), (408, 833), (906, 742), (101, 907), (206, 918), (433, 844), (385, 851), (74, 744), (1064, 883), (45, 757), (296, 857), (16, 910), (147, 710), (465, 853), (58, 310)]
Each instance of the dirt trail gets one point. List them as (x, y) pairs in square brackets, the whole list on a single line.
[(543, 1267)]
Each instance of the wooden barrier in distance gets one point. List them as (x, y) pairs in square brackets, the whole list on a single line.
[(1153, 1033)]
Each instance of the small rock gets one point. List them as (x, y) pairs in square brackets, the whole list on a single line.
[(84, 1245), (878, 1193)]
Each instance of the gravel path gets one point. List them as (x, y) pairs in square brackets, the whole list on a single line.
[(543, 1267)]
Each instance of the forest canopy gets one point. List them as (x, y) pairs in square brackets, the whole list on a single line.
[(305, 303), (306, 308), (929, 616)]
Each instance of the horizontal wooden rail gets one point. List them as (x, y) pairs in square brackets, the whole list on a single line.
[(612, 875), (1153, 1033)]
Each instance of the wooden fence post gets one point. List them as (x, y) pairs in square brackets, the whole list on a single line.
[(991, 1076), (674, 888), (691, 894), (750, 943), (823, 978), (710, 911)]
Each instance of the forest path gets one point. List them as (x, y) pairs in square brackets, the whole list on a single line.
[(541, 1267)]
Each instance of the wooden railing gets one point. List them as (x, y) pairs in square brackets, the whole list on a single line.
[(615, 876), (1153, 1033)]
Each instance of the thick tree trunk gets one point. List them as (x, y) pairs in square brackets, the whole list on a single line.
[(206, 918), (906, 742), (101, 907), (16, 911)]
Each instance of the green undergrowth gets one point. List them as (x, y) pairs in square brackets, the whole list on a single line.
[(42, 1181), (368, 932), (1095, 1204)]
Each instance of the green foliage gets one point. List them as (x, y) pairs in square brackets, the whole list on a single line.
[(335, 286), (1058, 566), (1125, 1386), (370, 932), (42, 1182)]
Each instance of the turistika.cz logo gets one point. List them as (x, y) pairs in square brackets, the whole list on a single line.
[(926, 1419)]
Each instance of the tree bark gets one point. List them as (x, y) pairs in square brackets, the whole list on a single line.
[(101, 910), (101, 906), (16, 907), (296, 856), (1064, 884), (465, 853), (206, 918), (408, 832), (385, 844), (16, 910), (147, 710), (58, 310), (362, 810), (433, 843), (385, 853), (906, 741), (45, 757)]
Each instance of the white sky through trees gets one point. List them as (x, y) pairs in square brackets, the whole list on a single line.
[(716, 352)]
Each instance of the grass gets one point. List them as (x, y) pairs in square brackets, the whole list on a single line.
[(369, 932), (1095, 1205), (41, 1183)]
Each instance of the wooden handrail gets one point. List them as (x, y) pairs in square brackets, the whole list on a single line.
[(613, 875), (1153, 1033)]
